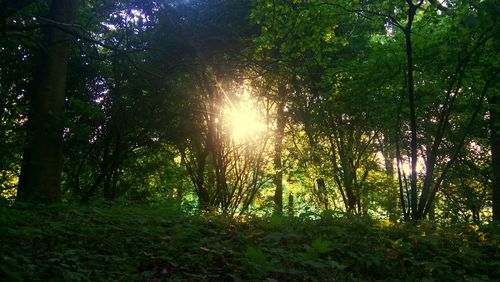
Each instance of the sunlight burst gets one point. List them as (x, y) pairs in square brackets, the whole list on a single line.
[(244, 121)]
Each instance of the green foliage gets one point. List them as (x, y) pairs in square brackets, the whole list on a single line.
[(257, 259), (97, 243)]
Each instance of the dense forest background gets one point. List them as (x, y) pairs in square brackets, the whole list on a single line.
[(380, 108)]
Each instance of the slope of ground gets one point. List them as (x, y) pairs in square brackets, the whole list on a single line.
[(152, 243)]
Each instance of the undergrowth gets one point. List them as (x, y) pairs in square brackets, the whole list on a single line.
[(145, 243)]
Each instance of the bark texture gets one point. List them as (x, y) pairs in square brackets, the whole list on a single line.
[(40, 178)]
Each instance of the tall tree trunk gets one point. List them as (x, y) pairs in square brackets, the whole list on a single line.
[(278, 148), (494, 102), (40, 178), (103, 169), (322, 193), (291, 210), (389, 155), (413, 116), (403, 188)]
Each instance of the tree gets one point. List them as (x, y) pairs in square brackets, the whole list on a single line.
[(439, 142), (40, 178), (278, 148), (226, 175), (433, 142), (310, 49), (494, 111)]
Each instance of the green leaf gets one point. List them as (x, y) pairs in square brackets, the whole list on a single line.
[(321, 245), (336, 265), (256, 256)]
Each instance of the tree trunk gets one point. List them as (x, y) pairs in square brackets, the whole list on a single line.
[(413, 116), (322, 193), (40, 178), (389, 155), (495, 153), (278, 148), (291, 210)]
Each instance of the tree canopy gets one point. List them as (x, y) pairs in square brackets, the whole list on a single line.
[(380, 108)]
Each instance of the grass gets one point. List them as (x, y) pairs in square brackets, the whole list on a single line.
[(153, 243)]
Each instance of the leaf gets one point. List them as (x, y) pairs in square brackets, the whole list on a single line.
[(10, 275), (256, 256), (276, 221), (470, 21), (314, 263), (337, 265), (321, 246), (234, 277)]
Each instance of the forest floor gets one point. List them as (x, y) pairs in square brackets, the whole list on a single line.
[(154, 243)]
